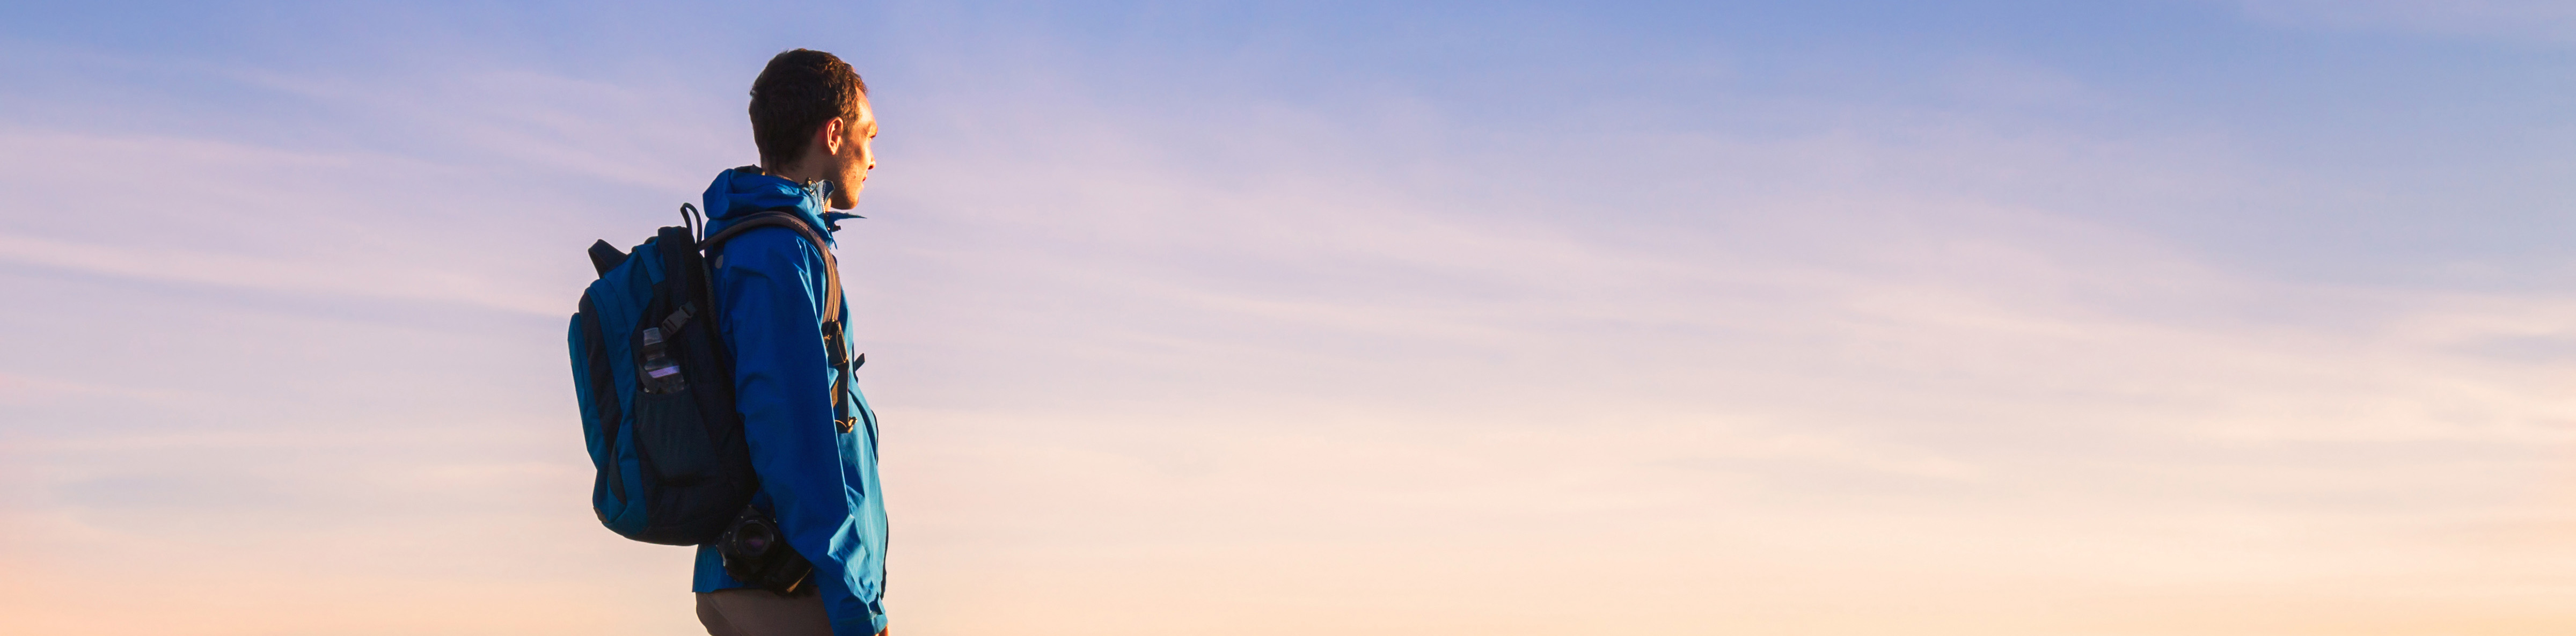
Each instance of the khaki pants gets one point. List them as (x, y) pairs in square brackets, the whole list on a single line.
[(761, 613)]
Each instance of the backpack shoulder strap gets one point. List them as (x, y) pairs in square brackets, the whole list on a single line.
[(837, 351), (775, 218)]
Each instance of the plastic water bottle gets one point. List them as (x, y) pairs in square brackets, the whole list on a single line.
[(661, 373)]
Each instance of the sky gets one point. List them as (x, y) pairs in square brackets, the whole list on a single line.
[(1999, 318)]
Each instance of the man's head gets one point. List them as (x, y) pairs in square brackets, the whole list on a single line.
[(810, 117)]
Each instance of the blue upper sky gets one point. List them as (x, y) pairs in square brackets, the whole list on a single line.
[(2440, 129)]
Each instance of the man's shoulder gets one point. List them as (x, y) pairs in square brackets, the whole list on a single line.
[(765, 245)]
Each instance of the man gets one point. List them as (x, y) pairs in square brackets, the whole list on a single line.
[(813, 444)]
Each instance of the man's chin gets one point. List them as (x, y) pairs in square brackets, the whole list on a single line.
[(842, 199)]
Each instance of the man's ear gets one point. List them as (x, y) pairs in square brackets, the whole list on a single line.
[(829, 136)]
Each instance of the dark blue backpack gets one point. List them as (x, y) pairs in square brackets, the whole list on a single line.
[(656, 385)]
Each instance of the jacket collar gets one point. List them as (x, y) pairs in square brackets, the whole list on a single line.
[(740, 192)]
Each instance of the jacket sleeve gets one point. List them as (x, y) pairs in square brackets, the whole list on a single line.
[(773, 292)]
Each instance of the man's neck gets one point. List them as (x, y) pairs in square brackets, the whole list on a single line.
[(791, 173)]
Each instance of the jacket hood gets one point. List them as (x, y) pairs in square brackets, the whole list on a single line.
[(740, 192)]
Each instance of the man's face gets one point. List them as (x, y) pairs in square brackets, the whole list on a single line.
[(855, 158)]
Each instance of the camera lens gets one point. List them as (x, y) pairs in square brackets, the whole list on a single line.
[(753, 539)]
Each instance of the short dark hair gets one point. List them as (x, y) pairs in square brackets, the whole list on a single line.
[(799, 91)]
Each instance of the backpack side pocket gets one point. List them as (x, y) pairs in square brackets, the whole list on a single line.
[(674, 438)]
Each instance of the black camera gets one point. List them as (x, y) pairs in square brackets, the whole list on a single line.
[(755, 553)]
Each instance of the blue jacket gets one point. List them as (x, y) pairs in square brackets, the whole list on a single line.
[(819, 483)]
